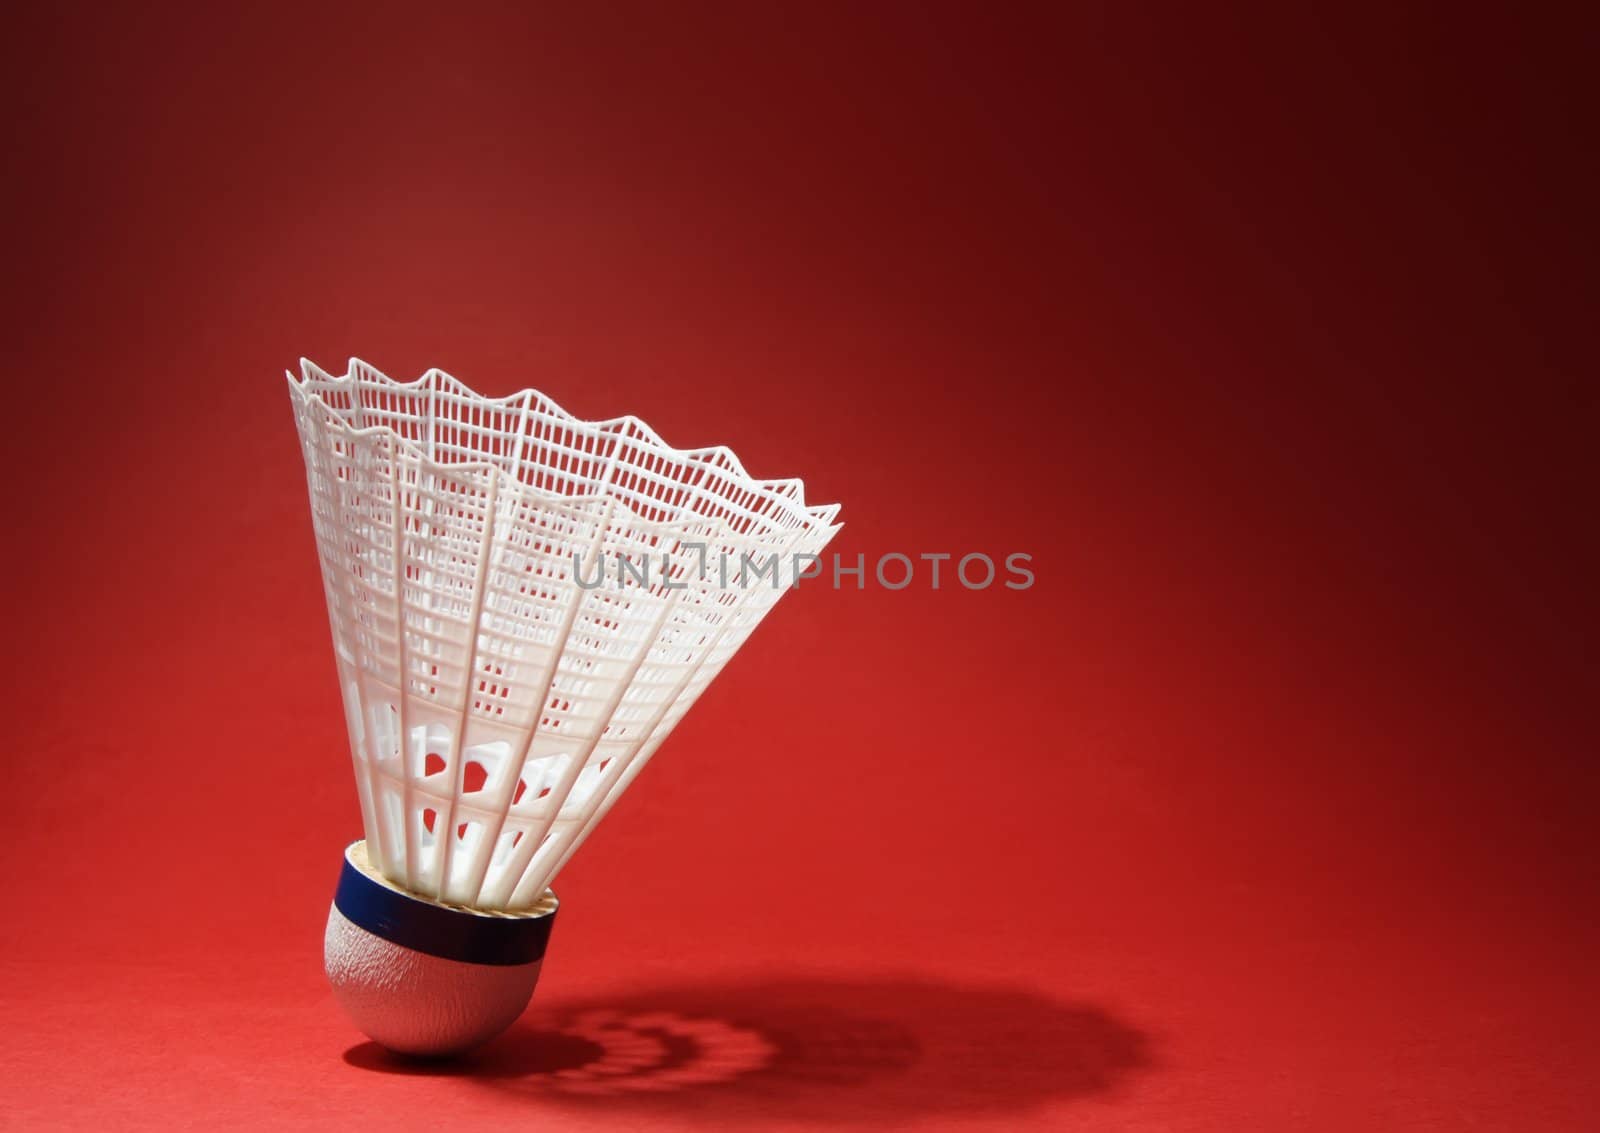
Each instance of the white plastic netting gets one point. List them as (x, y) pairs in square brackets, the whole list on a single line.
[(523, 606)]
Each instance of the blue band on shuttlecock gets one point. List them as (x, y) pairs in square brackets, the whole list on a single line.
[(454, 934)]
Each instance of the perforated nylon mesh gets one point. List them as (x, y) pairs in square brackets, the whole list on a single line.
[(497, 708)]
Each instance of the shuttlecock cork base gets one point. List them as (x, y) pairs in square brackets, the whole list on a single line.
[(425, 978)]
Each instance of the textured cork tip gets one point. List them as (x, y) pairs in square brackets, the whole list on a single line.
[(424, 978)]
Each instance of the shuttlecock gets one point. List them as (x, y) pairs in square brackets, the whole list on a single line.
[(523, 606)]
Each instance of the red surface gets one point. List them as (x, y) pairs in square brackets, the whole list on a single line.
[(1269, 806)]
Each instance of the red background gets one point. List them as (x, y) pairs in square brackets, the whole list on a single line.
[(1269, 806)]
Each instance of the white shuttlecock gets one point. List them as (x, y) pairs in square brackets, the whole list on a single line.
[(523, 607)]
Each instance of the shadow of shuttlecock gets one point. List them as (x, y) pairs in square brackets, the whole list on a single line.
[(824, 1049)]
